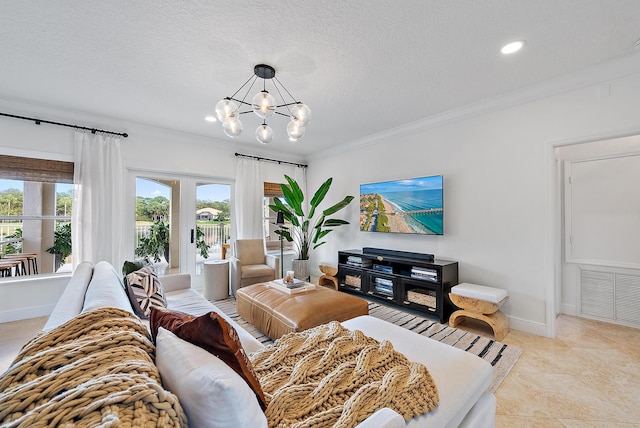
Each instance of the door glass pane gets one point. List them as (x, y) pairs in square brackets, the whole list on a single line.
[(213, 227), (157, 223)]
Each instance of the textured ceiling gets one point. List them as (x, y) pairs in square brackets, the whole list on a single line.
[(362, 66)]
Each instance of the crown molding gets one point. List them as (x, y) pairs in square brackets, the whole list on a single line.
[(615, 69)]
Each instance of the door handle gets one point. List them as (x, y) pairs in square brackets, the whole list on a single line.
[(192, 236)]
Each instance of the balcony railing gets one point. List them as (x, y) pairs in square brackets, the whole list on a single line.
[(215, 234)]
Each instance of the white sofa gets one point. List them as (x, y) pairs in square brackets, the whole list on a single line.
[(462, 379)]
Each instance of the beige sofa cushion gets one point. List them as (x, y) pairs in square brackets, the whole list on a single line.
[(72, 296), (105, 290), (212, 394)]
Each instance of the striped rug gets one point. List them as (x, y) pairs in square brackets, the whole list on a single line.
[(501, 356)]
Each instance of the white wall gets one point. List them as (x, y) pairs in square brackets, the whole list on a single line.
[(499, 187), (146, 148)]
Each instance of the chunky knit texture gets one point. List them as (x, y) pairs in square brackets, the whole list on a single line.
[(329, 376), (95, 370)]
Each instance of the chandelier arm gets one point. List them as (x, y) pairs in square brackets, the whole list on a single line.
[(280, 93), (288, 104), (243, 85), (242, 101), (248, 90), (281, 114), (286, 90)]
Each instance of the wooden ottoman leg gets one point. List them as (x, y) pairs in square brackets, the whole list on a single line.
[(500, 324), (328, 280), (498, 321), (456, 318)]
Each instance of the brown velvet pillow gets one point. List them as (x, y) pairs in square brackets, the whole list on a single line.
[(212, 333)]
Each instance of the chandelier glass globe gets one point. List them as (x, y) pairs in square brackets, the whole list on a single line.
[(264, 134), (232, 127), (301, 114), (226, 109), (295, 131), (263, 104)]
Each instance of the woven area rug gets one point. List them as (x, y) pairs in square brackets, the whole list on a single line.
[(501, 356)]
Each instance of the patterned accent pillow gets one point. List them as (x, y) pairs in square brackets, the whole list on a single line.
[(212, 333), (145, 291)]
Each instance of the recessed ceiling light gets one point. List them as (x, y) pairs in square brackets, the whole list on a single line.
[(512, 47), (210, 119)]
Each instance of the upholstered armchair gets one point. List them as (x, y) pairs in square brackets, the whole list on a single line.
[(251, 265)]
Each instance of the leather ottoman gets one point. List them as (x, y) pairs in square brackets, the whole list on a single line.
[(275, 312)]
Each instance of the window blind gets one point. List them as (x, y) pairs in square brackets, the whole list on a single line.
[(32, 169)]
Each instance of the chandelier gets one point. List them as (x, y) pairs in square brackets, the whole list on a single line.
[(264, 105)]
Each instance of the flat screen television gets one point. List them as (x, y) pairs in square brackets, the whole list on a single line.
[(414, 205)]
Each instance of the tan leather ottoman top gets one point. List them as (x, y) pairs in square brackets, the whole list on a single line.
[(275, 312)]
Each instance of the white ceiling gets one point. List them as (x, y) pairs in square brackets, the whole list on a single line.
[(363, 66)]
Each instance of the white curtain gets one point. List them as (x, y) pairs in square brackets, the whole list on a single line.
[(248, 199), (97, 219), (300, 175)]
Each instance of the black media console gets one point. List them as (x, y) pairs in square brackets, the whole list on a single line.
[(413, 280)]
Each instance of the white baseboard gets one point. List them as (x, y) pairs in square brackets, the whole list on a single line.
[(568, 309), (537, 328), (26, 313)]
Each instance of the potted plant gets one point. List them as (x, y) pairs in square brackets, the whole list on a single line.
[(201, 244), (308, 229), (155, 243), (16, 246), (61, 244)]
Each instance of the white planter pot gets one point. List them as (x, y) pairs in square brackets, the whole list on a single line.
[(300, 269)]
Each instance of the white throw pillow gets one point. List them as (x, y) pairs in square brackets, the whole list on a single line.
[(210, 392)]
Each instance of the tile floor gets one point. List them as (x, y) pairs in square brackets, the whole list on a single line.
[(588, 376)]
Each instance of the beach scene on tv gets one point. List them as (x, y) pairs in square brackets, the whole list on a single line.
[(404, 206)]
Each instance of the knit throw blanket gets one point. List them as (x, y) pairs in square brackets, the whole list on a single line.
[(95, 370), (329, 376)]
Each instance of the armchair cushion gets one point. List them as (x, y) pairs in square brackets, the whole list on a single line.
[(255, 271), (250, 251)]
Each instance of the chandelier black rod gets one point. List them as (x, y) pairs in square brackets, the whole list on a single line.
[(258, 158), (40, 121), (243, 85), (286, 90), (275, 112), (278, 106)]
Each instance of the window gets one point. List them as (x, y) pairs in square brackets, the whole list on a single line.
[(36, 200)]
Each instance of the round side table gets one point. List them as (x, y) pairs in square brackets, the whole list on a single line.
[(216, 279)]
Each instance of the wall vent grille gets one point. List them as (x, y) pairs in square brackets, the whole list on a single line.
[(628, 298), (610, 295), (597, 294)]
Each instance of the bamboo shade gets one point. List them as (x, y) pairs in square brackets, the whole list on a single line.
[(32, 169), (272, 190)]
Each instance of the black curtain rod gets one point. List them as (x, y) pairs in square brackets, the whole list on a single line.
[(39, 121), (271, 160)]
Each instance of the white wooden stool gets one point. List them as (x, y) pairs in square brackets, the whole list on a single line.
[(482, 303)]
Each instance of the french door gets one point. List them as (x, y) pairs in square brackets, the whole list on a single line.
[(196, 211)]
